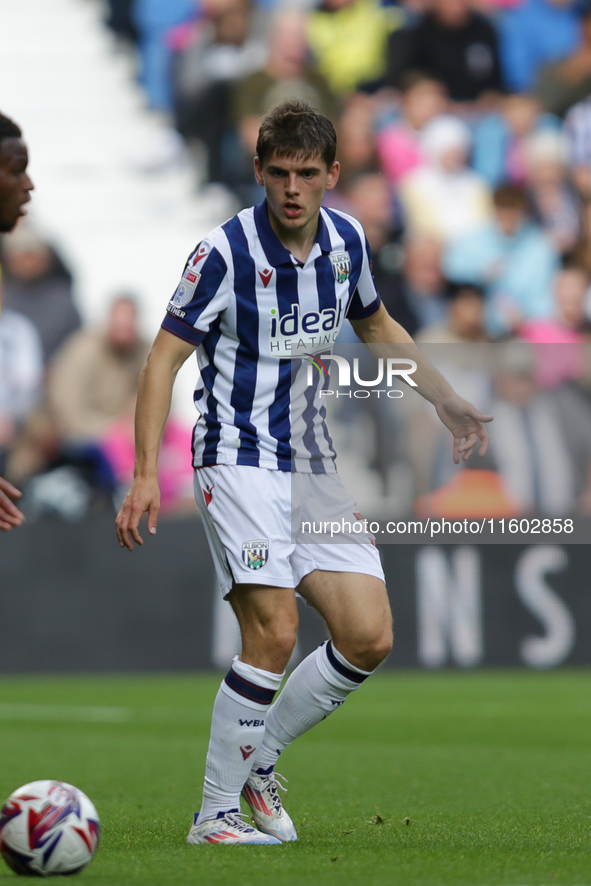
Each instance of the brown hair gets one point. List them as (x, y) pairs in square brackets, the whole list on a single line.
[(295, 129), (510, 197), (416, 77)]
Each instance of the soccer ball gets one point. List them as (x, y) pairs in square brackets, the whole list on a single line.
[(48, 828)]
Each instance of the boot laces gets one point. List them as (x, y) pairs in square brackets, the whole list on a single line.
[(272, 786), (237, 820)]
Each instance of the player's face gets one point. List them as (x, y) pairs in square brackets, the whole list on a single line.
[(15, 183), (295, 188)]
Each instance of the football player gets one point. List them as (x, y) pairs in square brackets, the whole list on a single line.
[(15, 187), (270, 285)]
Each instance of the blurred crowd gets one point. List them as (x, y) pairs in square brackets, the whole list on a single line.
[(464, 133), (67, 393), (464, 138), (396, 456)]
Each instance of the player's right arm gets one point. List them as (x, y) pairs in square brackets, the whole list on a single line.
[(167, 355)]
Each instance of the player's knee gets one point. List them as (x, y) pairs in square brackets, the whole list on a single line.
[(283, 641), (382, 646), (369, 651), (269, 648), (278, 638)]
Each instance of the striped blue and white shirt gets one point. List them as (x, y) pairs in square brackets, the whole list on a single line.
[(252, 309)]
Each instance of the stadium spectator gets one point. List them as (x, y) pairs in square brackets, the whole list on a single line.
[(553, 198), (222, 52), (349, 40), (286, 74), (95, 374), (287, 71), (499, 139), (511, 258), (534, 33), (418, 300), (398, 144), (175, 471), (357, 147), (580, 256), (577, 126), (464, 323), (444, 198), (556, 361), (370, 201), (453, 44), (568, 321), (92, 380), (563, 83), (21, 375), (153, 20), (541, 442), (37, 284)]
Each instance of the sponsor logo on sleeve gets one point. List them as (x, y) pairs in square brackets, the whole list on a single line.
[(176, 312), (203, 251)]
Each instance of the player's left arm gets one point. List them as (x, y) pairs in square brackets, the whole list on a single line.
[(387, 338)]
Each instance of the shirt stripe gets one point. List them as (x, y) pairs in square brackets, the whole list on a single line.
[(254, 312)]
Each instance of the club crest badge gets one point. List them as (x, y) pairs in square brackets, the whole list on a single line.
[(341, 265), (255, 553)]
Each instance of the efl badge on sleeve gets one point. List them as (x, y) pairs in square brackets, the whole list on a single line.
[(341, 265), (255, 553), (185, 289)]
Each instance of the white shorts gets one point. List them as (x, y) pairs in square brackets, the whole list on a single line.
[(248, 518)]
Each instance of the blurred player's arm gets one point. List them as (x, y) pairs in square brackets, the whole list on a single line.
[(10, 516), (387, 338), (167, 355)]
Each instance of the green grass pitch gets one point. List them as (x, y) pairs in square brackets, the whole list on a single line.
[(422, 779)]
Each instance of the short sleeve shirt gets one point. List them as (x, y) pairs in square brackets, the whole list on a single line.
[(258, 317)]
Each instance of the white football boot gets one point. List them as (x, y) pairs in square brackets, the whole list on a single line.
[(228, 828), (260, 792)]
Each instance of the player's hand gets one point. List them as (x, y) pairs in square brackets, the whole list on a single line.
[(144, 495), (466, 423), (10, 516)]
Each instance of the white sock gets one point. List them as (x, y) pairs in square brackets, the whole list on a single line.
[(318, 686), (237, 729)]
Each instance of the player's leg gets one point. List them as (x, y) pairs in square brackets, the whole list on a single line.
[(268, 620), (246, 547), (357, 611), (345, 583)]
